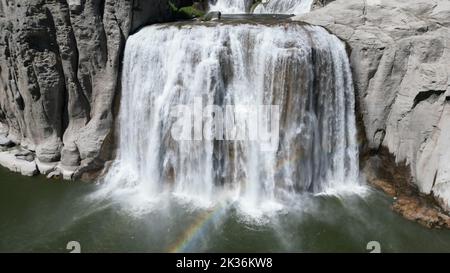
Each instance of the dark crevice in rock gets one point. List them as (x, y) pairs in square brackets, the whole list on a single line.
[(19, 101), (65, 112), (434, 179), (102, 8), (430, 96), (103, 42), (64, 94), (74, 64), (379, 138)]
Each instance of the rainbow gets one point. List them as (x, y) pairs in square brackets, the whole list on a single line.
[(198, 229)]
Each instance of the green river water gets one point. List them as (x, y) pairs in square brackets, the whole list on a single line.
[(40, 215)]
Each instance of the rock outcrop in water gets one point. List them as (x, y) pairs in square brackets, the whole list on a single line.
[(59, 67), (400, 55)]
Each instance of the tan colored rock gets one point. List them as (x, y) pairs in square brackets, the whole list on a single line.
[(385, 186)]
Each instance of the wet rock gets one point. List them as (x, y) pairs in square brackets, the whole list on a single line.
[(212, 15), (413, 209), (54, 175)]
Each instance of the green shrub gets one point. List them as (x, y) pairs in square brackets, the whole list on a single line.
[(188, 12), (191, 12)]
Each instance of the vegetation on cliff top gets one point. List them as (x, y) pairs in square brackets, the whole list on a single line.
[(188, 12)]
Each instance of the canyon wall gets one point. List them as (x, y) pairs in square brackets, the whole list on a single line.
[(60, 64), (59, 68), (400, 56)]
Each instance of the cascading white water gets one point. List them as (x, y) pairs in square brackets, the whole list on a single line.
[(230, 6), (270, 6), (285, 7), (301, 68)]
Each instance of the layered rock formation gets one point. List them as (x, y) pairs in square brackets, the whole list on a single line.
[(59, 67), (400, 55), (60, 63), (58, 77)]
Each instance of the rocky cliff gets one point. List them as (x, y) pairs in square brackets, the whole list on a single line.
[(400, 56), (59, 67), (60, 63)]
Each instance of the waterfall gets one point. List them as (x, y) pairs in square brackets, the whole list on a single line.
[(302, 69), (285, 6), (230, 6), (267, 6)]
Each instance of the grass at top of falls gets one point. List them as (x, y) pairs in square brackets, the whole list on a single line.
[(183, 13)]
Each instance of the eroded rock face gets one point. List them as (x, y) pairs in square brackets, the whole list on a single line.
[(59, 68), (147, 12), (400, 55)]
